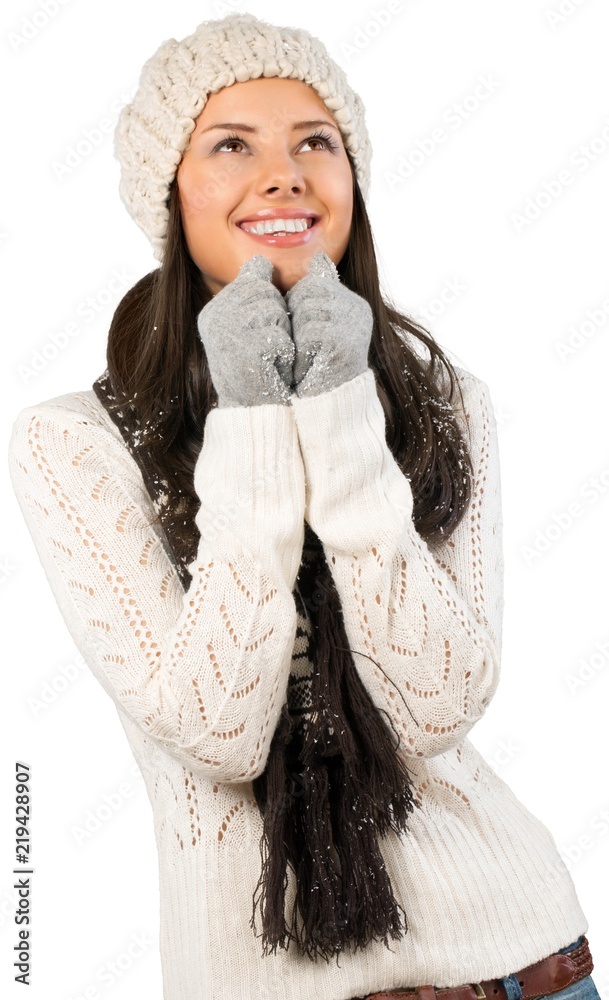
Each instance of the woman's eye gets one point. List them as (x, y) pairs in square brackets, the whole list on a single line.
[(325, 139), (315, 139), (228, 142)]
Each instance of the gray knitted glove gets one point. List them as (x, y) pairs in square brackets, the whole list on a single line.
[(331, 327), (245, 330)]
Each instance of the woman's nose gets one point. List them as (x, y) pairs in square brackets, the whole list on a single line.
[(279, 170)]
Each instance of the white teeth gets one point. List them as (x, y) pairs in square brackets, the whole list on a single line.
[(278, 226)]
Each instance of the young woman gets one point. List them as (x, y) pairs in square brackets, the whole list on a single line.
[(274, 529)]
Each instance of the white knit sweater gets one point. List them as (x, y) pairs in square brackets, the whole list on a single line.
[(199, 679)]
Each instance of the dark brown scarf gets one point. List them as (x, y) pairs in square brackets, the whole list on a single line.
[(333, 782)]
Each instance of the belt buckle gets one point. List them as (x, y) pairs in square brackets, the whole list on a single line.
[(479, 991)]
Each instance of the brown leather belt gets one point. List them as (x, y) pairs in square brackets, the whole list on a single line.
[(550, 975)]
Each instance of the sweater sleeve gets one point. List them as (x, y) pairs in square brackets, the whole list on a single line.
[(427, 618), (205, 672)]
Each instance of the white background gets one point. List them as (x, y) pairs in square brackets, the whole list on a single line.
[(523, 290)]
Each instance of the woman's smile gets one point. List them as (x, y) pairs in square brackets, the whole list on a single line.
[(280, 235)]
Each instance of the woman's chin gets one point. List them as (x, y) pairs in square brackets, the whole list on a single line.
[(283, 284), (286, 274)]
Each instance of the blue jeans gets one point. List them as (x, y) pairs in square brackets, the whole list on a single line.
[(585, 989)]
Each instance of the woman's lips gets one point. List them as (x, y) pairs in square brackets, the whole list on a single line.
[(289, 240)]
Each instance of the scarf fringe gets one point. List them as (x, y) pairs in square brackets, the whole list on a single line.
[(332, 786)]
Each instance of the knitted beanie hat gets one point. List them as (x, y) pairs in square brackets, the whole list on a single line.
[(154, 129)]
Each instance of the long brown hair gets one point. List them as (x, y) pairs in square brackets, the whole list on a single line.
[(312, 789)]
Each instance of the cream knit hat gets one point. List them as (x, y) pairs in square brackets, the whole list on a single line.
[(154, 129)]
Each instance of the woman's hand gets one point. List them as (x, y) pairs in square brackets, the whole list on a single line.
[(331, 328), (245, 330)]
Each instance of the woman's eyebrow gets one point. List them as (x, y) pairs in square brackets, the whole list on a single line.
[(250, 128)]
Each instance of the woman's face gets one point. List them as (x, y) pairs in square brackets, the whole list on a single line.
[(275, 169)]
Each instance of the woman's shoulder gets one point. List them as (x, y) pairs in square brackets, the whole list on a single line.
[(471, 400), (472, 386), (466, 377), (71, 413), (82, 406)]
